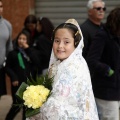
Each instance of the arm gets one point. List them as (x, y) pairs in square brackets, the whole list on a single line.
[(86, 41), (9, 45), (34, 56), (96, 52), (10, 64)]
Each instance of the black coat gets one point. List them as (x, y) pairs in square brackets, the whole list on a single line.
[(15, 71), (103, 55), (44, 47), (89, 29)]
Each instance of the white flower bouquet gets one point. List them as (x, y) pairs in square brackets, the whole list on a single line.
[(33, 94)]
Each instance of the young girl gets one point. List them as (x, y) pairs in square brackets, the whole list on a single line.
[(72, 96), (20, 64)]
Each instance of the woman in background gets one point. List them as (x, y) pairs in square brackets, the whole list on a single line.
[(20, 65), (43, 42)]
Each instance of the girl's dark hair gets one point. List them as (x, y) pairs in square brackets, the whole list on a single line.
[(113, 21), (47, 26), (74, 30), (30, 19), (27, 34)]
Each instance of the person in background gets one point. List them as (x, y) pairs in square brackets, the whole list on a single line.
[(30, 25), (5, 47), (96, 12), (71, 96), (104, 62), (20, 65), (43, 43)]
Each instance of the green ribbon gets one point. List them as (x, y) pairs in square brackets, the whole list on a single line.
[(20, 59)]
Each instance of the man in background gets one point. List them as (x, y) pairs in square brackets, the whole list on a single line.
[(96, 12), (5, 47), (104, 61)]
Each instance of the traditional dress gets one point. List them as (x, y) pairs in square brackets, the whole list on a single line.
[(72, 95)]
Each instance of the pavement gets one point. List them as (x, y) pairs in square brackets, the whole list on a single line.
[(5, 104)]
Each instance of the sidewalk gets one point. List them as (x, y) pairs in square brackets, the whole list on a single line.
[(5, 103)]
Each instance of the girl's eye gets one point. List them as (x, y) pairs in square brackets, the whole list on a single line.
[(66, 42), (56, 40)]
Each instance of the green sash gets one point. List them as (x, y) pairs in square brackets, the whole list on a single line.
[(20, 59)]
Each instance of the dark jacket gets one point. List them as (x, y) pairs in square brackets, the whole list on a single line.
[(15, 71), (103, 55), (89, 29), (44, 46)]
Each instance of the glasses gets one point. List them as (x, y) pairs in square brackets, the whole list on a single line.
[(100, 8)]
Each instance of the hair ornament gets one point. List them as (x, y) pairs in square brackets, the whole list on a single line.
[(76, 33), (64, 25)]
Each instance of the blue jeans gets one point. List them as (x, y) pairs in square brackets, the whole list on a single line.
[(108, 110)]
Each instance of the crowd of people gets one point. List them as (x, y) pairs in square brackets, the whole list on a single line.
[(30, 56), (82, 59)]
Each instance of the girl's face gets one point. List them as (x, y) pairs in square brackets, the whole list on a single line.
[(31, 26), (22, 40), (63, 44)]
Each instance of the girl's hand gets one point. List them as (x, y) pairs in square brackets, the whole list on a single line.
[(25, 45)]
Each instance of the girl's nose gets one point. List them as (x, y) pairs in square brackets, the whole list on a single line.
[(60, 44)]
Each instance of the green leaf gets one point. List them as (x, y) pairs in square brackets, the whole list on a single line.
[(29, 82), (48, 82), (40, 80), (33, 81), (19, 105), (21, 89), (30, 112)]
